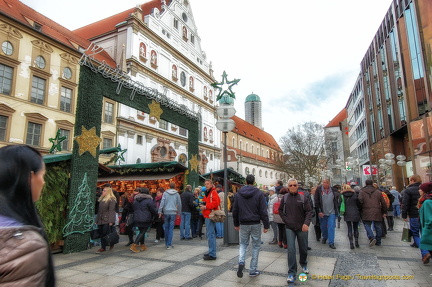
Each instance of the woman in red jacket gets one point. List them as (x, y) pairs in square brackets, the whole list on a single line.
[(211, 201)]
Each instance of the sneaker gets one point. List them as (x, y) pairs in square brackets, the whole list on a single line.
[(290, 279), (100, 250), (240, 270), (208, 257), (372, 242), (273, 242), (254, 274), (169, 247), (156, 241), (305, 270)]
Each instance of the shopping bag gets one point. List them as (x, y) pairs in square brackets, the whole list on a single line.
[(406, 233), (177, 220), (122, 228), (112, 237), (342, 206)]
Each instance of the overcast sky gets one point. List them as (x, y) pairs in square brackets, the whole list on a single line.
[(301, 58)]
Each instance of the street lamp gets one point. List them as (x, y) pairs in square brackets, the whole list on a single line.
[(401, 162)]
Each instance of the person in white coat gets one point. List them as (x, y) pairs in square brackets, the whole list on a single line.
[(273, 198)]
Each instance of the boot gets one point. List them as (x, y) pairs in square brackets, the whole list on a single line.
[(280, 244), (356, 237), (350, 237), (143, 247), (133, 248)]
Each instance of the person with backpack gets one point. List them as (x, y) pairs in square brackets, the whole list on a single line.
[(296, 212), (273, 208)]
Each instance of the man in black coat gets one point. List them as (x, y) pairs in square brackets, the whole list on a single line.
[(187, 201), (410, 211)]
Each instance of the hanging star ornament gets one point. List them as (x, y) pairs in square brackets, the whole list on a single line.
[(224, 88), (56, 142), (120, 154), (88, 141), (194, 163), (155, 110)]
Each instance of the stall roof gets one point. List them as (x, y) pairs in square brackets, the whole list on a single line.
[(152, 176), (51, 158), (156, 166), (232, 175)]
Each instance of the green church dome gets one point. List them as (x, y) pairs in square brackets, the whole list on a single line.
[(253, 98)]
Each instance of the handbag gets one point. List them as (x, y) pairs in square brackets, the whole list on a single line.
[(129, 219), (217, 215), (94, 234), (406, 233), (112, 237)]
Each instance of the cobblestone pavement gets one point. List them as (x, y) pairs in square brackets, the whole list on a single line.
[(183, 265)]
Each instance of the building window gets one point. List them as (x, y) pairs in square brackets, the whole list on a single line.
[(40, 62), (107, 143), (183, 132), (65, 143), (34, 132), (176, 24), (3, 127), (163, 124), (6, 73), (247, 170), (38, 90), (7, 48), (192, 39), (65, 99), (260, 173), (266, 174), (109, 113), (139, 139), (67, 73)]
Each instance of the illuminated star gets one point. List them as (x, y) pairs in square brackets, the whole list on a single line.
[(88, 141), (56, 142), (194, 163), (155, 110), (224, 88)]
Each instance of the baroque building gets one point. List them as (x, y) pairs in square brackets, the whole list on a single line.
[(39, 74), (157, 44)]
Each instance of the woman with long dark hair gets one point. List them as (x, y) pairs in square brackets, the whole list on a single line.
[(26, 259)]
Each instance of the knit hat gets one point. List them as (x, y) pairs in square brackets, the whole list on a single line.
[(426, 187)]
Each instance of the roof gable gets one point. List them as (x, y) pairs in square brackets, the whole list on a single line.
[(342, 115)]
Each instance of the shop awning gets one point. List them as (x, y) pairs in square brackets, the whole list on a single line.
[(232, 175), (51, 158), (139, 177)]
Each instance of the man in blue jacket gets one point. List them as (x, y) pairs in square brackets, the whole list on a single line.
[(250, 208)]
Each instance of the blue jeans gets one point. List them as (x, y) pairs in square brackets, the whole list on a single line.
[(185, 225), (247, 232), (219, 229), (415, 231), (396, 210), (168, 227), (378, 230), (328, 225), (302, 240), (211, 236)]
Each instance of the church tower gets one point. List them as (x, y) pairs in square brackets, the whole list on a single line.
[(253, 110)]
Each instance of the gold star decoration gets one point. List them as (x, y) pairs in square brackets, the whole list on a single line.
[(88, 141), (155, 110), (194, 163)]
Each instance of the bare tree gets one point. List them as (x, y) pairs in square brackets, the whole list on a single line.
[(305, 152)]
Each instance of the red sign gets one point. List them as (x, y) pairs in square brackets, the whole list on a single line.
[(370, 170)]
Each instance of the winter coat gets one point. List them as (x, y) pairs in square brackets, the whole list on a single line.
[(372, 204), (211, 200), (187, 201), (250, 207), (106, 212), (319, 203), (157, 200), (272, 200), (352, 206), (144, 210), (396, 195), (170, 203), (24, 256), (295, 211), (426, 225), (410, 199)]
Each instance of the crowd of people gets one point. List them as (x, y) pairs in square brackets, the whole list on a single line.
[(288, 211)]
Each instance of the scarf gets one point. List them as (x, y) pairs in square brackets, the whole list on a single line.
[(425, 196)]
